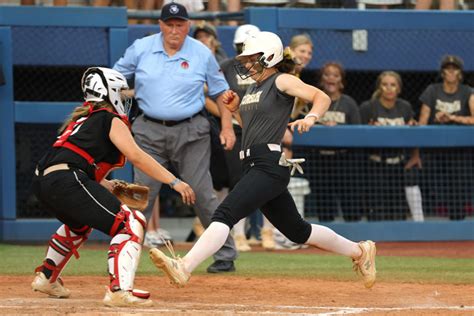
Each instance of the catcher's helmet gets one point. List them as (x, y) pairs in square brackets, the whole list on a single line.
[(105, 84), (266, 43)]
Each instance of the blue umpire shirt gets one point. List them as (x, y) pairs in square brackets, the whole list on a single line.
[(171, 88)]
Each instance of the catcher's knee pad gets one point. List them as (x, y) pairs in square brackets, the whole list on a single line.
[(125, 249), (133, 221), (223, 215), (62, 245)]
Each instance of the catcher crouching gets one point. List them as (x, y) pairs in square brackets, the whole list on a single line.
[(70, 181)]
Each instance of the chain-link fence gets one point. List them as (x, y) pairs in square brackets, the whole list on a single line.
[(345, 184), (372, 184)]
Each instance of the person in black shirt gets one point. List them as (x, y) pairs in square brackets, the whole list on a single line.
[(264, 114), (449, 102), (385, 181), (70, 181), (335, 178)]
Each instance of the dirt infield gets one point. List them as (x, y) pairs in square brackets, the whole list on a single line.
[(230, 294)]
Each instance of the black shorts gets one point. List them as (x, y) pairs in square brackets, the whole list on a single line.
[(76, 200)]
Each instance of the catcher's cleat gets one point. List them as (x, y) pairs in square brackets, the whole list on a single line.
[(241, 243), (55, 289), (122, 298), (268, 240), (172, 267), (365, 264)]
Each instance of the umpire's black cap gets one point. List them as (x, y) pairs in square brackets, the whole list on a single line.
[(174, 10), (452, 60)]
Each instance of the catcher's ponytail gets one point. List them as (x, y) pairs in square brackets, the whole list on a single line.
[(83, 110)]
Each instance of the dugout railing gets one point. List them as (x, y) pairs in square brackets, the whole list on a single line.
[(44, 50)]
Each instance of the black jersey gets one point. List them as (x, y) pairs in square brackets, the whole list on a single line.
[(400, 114), (373, 111), (92, 136), (265, 113), (342, 111), (456, 103)]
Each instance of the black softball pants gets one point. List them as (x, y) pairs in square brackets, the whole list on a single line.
[(76, 200), (264, 186)]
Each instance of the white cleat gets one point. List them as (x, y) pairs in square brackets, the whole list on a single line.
[(55, 289), (365, 264), (123, 298), (173, 268)]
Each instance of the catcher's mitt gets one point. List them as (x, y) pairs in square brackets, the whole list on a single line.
[(133, 195)]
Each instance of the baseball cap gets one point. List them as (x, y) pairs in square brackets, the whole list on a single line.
[(452, 60), (174, 10), (205, 27)]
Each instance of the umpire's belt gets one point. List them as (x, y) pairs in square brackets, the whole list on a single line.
[(259, 149), (45, 172), (167, 122)]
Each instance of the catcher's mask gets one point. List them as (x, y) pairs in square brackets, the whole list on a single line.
[(269, 47), (105, 84)]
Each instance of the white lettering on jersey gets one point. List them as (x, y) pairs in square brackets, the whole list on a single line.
[(391, 121), (448, 107), (249, 99), (334, 116)]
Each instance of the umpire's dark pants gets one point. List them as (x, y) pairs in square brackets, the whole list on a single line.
[(264, 185)]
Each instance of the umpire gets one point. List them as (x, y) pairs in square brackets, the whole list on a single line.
[(170, 70)]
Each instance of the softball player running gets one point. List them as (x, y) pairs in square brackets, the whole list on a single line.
[(264, 114), (92, 142)]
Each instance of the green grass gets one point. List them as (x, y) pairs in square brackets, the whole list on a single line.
[(22, 259)]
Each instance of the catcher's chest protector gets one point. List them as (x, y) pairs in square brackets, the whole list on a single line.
[(101, 168)]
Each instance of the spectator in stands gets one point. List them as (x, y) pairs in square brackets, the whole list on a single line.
[(130, 4), (170, 70), (427, 4), (190, 5), (380, 4), (207, 34), (231, 6), (385, 179), (449, 103), (57, 3), (301, 48), (335, 178)]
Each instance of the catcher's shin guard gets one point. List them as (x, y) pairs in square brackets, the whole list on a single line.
[(62, 245), (125, 249)]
